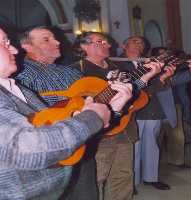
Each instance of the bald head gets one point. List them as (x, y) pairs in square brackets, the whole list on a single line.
[(134, 46), (7, 58)]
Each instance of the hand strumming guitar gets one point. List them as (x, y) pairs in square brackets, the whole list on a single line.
[(189, 64), (121, 98), (101, 109), (168, 72), (124, 93), (155, 68)]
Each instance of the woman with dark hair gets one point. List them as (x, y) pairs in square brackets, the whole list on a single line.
[(156, 51)]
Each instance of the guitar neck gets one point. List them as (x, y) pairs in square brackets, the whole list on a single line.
[(131, 76), (141, 70), (137, 73), (105, 95)]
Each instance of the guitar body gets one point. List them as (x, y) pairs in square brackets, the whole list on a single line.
[(87, 86), (59, 112), (137, 104), (91, 86), (65, 109)]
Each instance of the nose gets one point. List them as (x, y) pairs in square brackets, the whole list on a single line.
[(57, 42), (137, 42), (13, 50), (108, 44)]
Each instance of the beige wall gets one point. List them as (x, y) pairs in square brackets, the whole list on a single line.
[(155, 9), (121, 10), (118, 12), (185, 11), (151, 10)]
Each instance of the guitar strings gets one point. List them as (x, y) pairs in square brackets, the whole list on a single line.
[(106, 95)]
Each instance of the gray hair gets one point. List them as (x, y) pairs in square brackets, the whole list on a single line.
[(25, 36)]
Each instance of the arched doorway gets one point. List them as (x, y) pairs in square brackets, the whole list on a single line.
[(21, 13), (17, 15)]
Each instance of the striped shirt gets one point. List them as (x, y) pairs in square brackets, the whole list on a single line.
[(41, 78)]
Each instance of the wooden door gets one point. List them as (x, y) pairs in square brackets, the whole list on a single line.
[(174, 24)]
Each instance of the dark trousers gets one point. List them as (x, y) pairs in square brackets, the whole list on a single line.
[(83, 182)]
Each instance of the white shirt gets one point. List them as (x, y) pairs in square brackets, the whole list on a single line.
[(135, 63), (10, 85)]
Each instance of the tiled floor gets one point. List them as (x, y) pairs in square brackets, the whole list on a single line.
[(178, 179)]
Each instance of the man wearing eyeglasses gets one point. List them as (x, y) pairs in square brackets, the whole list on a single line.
[(40, 73), (27, 153), (114, 155), (159, 111)]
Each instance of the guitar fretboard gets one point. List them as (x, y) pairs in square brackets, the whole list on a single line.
[(105, 96), (131, 76)]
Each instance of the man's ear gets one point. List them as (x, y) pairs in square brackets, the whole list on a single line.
[(123, 46), (27, 47), (83, 47)]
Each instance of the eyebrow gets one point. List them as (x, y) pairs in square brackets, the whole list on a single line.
[(136, 39)]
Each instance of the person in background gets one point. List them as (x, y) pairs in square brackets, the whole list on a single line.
[(150, 118), (156, 51), (180, 134)]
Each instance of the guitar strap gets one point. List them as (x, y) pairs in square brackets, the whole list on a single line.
[(81, 65)]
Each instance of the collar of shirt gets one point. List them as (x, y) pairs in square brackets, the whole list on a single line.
[(39, 64), (7, 82), (135, 63), (10, 85)]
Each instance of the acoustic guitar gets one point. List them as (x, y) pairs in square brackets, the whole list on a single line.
[(101, 92), (87, 86)]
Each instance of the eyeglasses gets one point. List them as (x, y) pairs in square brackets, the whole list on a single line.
[(98, 42), (5, 42), (101, 42)]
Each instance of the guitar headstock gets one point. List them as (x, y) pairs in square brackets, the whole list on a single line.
[(164, 57), (177, 59)]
